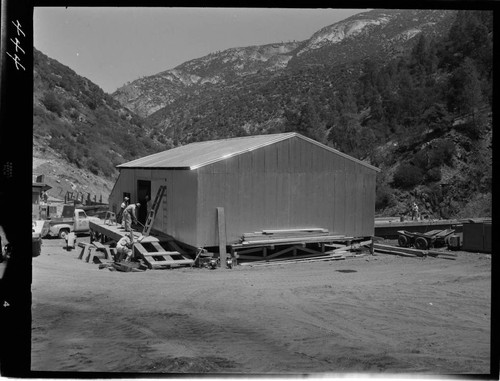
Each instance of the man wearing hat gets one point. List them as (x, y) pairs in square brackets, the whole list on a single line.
[(122, 208), (130, 215)]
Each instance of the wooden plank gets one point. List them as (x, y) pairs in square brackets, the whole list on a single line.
[(295, 240), (160, 253), (222, 236), (407, 250), (281, 252), (441, 253), (85, 247), (321, 230), (313, 255), (248, 257), (296, 261), (249, 251), (107, 251), (99, 257), (142, 253), (284, 234), (335, 245), (269, 243), (394, 252), (172, 262), (307, 250), (288, 235)]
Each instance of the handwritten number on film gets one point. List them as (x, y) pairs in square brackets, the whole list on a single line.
[(17, 46)]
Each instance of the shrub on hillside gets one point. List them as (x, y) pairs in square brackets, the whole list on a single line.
[(441, 153), (70, 103), (472, 129), (433, 175), (421, 160), (407, 176), (383, 198), (52, 104)]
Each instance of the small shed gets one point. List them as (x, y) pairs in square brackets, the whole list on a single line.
[(277, 181)]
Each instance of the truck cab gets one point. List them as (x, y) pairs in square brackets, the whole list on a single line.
[(78, 222)]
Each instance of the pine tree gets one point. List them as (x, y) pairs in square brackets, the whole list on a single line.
[(465, 89)]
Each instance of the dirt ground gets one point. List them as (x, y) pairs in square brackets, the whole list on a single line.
[(378, 314)]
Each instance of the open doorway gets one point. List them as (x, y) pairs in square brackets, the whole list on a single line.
[(143, 190)]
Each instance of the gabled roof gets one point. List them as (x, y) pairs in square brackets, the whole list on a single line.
[(199, 154)]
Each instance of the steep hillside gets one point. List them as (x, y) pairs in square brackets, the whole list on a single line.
[(379, 34), (149, 94), (80, 133)]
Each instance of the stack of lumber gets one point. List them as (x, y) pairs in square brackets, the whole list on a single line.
[(331, 256), (407, 252), (287, 235)]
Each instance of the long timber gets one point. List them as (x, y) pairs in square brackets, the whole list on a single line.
[(117, 232)]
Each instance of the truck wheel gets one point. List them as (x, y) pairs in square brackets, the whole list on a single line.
[(421, 243), (63, 233), (403, 241)]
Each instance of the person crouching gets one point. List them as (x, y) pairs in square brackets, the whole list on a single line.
[(124, 249)]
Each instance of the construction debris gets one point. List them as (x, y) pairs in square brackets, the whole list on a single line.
[(407, 252), (129, 266)]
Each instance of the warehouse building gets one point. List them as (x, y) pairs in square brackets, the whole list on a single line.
[(279, 181)]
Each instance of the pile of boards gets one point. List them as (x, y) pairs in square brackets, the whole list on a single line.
[(407, 252), (333, 255), (287, 236)]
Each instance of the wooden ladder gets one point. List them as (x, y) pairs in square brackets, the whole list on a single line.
[(154, 209)]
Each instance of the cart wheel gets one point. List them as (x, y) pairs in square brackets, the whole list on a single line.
[(421, 243), (403, 241)]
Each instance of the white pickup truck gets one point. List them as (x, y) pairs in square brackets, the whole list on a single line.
[(78, 222)]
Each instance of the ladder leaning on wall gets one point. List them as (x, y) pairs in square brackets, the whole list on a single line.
[(154, 209)]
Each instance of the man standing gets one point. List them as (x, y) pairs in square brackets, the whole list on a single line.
[(130, 215), (122, 208), (414, 210)]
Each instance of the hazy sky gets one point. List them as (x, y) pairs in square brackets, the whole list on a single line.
[(111, 46)]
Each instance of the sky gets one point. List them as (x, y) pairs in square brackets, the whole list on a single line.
[(112, 46)]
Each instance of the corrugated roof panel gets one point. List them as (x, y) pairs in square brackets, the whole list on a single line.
[(196, 155)]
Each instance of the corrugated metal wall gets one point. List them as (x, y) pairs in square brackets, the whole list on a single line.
[(177, 213), (290, 184)]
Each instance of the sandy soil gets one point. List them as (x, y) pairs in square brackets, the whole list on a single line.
[(376, 314)]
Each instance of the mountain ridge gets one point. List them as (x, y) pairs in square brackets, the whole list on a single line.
[(151, 93)]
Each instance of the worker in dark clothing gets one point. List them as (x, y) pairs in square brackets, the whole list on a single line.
[(414, 211), (130, 215)]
